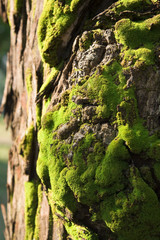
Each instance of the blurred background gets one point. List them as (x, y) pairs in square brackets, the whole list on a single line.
[(5, 140)]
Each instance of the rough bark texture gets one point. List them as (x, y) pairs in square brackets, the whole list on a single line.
[(82, 100)]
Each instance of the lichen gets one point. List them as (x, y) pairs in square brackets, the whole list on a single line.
[(31, 203)]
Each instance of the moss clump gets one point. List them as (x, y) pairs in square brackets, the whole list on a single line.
[(139, 208), (109, 174), (78, 232), (106, 88), (154, 151), (28, 77), (54, 22), (135, 137), (136, 34), (37, 217), (139, 39), (26, 145), (132, 5), (31, 203)]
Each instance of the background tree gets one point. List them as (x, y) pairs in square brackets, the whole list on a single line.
[(82, 101)]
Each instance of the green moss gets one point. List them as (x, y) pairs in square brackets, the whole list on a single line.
[(135, 137), (75, 4), (54, 22), (37, 217), (132, 5), (79, 232), (139, 208), (109, 174), (154, 151), (31, 202), (86, 40), (85, 171), (26, 145), (140, 56), (28, 78), (139, 39), (136, 34)]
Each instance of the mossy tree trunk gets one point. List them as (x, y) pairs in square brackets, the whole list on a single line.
[(82, 99)]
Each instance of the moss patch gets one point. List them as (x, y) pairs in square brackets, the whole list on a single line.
[(78, 232), (26, 146), (139, 39), (55, 19), (37, 217), (28, 77), (31, 203), (139, 208), (132, 5)]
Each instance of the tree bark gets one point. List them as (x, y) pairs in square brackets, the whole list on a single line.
[(82, 99)]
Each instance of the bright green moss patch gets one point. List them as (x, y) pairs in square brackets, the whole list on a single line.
[(37, 217), (136, 34), (79, 232), (132, 5), (28, 78), (31, 203), (109, 174), (54, 22), (75, 4), (135, 137), (26, 146), (139, 208), (106, 89), (138, 39), (140, 56)]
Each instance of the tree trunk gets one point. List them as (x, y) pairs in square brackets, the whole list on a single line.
[(82, 100)]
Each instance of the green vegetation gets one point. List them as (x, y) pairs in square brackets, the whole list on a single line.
[(26, 146), (28, 78), (54, 22), (132, 5), (140, 209), (77, 232), (31, 203)]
